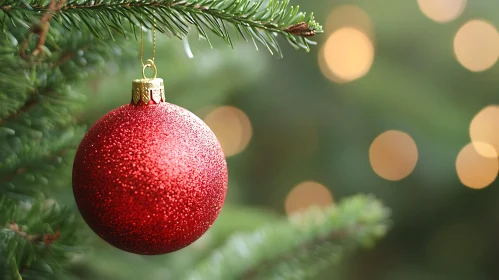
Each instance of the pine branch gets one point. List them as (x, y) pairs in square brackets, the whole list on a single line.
[(12, 79), (39, 128), (34, 239), (40, 105), (259, 21), (41, 177), (42, 28), (300, 248)]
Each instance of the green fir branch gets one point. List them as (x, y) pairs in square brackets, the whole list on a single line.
[(35, 240), (15, 88), (258, 21), (42, 126), (39, 107), (300, 248), (41, 177)]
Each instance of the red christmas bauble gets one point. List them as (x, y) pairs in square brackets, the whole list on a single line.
[(150, 178)]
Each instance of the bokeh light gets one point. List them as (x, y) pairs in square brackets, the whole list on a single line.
[(325, 70), (474, 170), (348, 54), (232, 128), (442, 10), (484, 128), (393, 155), (203, 111), (349, 16), (476, 45), (307, 194)]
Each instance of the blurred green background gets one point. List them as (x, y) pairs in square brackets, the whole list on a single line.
[(402, 67)]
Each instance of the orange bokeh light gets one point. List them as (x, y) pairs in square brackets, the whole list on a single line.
[(349, 16), (307, 194), (484, 128), (348, 54), (325, 70), (476, 45), (474, 170), (393, 155), (442, 10), (232, 128)]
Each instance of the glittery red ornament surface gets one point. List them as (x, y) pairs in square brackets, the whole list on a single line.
[(150, 179)]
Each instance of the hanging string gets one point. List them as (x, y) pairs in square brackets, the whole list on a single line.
[(150, 62)]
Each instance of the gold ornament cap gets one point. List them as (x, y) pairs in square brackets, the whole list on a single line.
[(147, 90)]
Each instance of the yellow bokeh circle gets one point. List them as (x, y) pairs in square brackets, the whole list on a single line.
[(305, 195), (393, 155), (476, 45), (348, 54), (442, 10), (232, 128), (484, 128), (349, 16), (474, 170)]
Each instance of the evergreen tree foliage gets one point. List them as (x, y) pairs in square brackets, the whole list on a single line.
[(47, 49)]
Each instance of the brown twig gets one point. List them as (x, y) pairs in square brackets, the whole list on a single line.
[(66, 56), (300, 29), (41, 29), (47, 238), (30, 103)]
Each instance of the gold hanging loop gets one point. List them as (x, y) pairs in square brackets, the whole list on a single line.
[(149, 64), (142, 46), (148, 91)]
